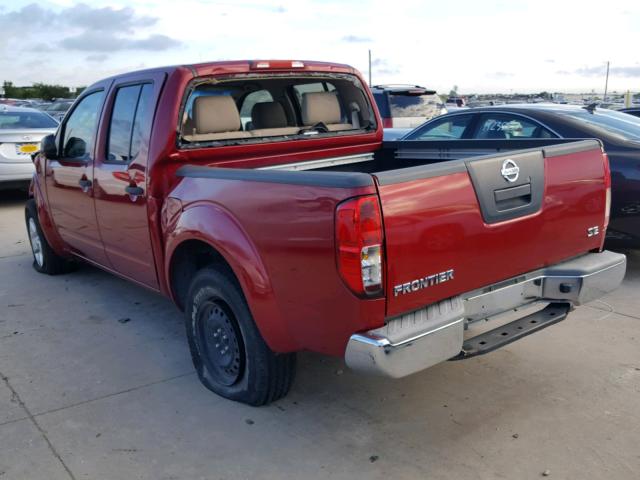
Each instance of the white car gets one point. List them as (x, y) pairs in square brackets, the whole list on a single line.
[(21, 130)]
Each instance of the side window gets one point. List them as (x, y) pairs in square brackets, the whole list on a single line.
[(250, 100), (142, 120), (506, 126), (124, 108), (447, 128), (80, 129), (129, 122)]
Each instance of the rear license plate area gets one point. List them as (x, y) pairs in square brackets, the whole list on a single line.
[(26, 148)]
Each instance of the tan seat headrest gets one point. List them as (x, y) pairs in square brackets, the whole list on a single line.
[(320, 107), (215, 114), (268, 115)]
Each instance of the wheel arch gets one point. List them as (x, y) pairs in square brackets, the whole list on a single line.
[(189, 257), (208, 235)]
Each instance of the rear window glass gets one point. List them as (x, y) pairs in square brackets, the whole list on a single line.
[(621, 124), (275, 108), (26, 120), (414, 105)]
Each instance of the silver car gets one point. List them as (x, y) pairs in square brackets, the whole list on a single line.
[(21, 130)]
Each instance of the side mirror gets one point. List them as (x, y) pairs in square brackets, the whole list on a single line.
[(49, 147)]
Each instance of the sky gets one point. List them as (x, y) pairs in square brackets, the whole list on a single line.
[(480, 47)]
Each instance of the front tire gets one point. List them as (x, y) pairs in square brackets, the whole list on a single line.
[(228, 351), (45, 260)]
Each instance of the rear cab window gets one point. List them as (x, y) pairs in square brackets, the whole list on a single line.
[(273, 108)]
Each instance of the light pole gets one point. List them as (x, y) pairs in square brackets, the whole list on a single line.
[(370, 84), (606, 83)]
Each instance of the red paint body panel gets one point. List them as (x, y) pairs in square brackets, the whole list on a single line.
[(434, 225), (279, 240)]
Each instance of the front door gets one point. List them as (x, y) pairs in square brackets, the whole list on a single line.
[(120, 176), (69, 178)]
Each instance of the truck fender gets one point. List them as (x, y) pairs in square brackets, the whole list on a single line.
[(216, 227)]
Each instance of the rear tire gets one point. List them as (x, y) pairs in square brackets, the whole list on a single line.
[(228, 352), (45, 260)]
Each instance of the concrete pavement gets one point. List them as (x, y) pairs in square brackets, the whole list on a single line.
[(97, 383)]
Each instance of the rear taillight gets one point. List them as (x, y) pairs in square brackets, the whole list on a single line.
[(359, 242), (387, 122), (607, 196), (607, 184)]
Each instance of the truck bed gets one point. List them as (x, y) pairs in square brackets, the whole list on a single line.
[(397, 155)]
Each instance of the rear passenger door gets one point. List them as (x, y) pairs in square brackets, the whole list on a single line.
[(121, 176)]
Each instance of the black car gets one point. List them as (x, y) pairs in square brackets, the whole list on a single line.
[(619, 132), (635, 111)]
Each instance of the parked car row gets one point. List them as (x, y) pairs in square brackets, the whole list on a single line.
[(56, 108)]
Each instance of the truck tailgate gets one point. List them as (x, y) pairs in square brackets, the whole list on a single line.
[(460, 225)]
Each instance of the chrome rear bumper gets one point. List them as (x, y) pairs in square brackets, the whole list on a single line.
[(420, 339)]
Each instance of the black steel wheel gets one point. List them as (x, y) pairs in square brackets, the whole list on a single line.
[(228, 351), (220, 342)]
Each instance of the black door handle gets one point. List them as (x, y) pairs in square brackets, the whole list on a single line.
[(513, 192), (134, 190), (85, 184)]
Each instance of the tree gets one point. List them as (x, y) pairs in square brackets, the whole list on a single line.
[(38, 90), (9, 89), (454, 91), (49, 92)]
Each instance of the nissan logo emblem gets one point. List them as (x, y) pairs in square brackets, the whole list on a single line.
[(510, 170)]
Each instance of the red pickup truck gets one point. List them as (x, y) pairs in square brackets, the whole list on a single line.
[(260, 197)]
